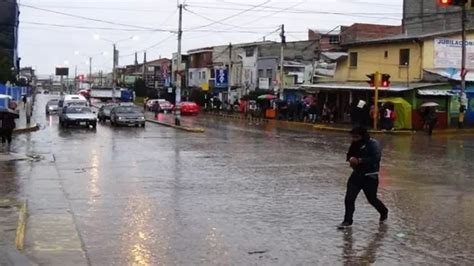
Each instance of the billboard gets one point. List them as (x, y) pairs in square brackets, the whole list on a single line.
[(222, 77), (62, 71), (448, 53)]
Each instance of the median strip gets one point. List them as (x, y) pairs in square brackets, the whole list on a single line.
[(20, 229), (187, 129)]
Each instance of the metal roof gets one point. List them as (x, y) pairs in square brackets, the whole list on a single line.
[(447, 73), (434, 92), (365, 86)]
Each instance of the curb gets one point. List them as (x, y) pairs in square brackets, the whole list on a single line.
[(21, 226), (347, 130), (24, 130), (187, 129)]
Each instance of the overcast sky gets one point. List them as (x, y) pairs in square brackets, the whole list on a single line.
[(50, 36)]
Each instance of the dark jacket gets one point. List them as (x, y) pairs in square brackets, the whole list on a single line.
[(369, 152), (7, 121)]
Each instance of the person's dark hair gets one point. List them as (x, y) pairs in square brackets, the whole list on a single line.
[(361, 131)]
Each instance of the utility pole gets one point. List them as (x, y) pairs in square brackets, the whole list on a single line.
[(463, 67), (378, 83), (229, 74), (90, 71), (75, 77), (114, 81), (282, 62), (144, 68), (178, 68)]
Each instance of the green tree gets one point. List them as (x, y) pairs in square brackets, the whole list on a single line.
[(140, 88), (6, 73)]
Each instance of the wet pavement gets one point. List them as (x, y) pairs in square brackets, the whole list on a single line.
[(237, 194)]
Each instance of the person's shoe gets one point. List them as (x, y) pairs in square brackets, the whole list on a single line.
[(344, 225), (383, 217)]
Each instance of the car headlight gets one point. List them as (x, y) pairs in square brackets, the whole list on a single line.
[(121, 118), (141, 118), (50, 108)]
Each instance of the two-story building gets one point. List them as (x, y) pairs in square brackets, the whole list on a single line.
[(422, 68)]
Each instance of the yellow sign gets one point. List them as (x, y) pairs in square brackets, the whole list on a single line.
[(378, 79), (205, 86)]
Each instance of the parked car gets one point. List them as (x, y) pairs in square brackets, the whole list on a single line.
[(189, 108), (165, 106), (78, 116), (52, 106), (104, 112), (127, 115)]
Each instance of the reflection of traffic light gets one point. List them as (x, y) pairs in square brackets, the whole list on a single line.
[(371, 80), (452, 2), (385, 80)]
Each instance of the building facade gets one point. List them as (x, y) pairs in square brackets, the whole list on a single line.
[(9, 21)]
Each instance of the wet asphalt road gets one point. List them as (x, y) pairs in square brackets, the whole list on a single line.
[(238, 194)]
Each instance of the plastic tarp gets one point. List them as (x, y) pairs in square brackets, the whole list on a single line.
[(403, 110)]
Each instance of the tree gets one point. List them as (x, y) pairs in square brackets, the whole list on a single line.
[(140, 88), (6, 73)]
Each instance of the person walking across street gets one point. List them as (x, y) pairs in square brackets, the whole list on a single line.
[(364, 157)]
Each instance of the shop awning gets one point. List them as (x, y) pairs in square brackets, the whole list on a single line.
[(363, 86)]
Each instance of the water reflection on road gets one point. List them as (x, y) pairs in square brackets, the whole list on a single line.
[(247, 194)]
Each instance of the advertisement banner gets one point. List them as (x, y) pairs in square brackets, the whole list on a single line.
[(221, 78), (264, 83), (447, 53)]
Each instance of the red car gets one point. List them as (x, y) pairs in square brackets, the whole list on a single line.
[(189, 108)]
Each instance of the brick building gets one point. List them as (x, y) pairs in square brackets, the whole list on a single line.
[(426, 16)]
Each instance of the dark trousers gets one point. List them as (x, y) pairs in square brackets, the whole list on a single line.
[(369, 184), (6, 135)]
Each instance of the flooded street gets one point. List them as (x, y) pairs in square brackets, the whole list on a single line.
[(238, 194)]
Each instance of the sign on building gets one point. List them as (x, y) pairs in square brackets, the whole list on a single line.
[(222, 78), (448, 53), (264, 83)]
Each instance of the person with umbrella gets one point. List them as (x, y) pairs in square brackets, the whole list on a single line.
[(7, 119), (428, 114)]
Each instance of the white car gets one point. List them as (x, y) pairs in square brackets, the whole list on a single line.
[(78, 116)]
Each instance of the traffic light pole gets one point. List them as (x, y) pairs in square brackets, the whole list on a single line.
[(463, 67), (114, 79), (282, 63)]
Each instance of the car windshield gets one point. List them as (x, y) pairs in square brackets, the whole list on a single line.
[(78, 110), (108, 107), (127, 110), (53, 102)]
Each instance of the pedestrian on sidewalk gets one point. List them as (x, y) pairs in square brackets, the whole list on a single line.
[(7, 121), (364, 157), (156, 108)]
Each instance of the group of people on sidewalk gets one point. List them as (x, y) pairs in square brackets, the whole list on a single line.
[(362, 115), (306, 111)]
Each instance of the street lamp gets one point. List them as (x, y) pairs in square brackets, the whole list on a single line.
[(115, 57), (89, 63)]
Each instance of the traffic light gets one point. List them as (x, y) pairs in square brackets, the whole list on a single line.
[(371, 80), (385, 80), (81, 77), (447, 3)]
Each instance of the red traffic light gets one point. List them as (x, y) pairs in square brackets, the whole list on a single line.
[(385, 80), (452, 2), (81, 77)]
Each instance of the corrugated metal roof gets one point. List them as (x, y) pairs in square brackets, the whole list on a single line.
[(434, 92), (365, 86), (450, 75)]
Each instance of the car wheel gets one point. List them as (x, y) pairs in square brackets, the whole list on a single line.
[(143, 125), (94, 125)]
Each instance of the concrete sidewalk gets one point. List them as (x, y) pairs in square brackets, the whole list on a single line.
[(22, 126)]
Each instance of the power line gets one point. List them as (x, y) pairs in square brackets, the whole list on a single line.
[(230, 17), (92, 19)]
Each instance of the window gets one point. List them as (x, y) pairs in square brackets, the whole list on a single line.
[(190, 75), (200, 77), (353, 59), (269, 73), (334, 39), (385, 54), (249, 52), (204, 75), (260, 73), (404, 57)]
